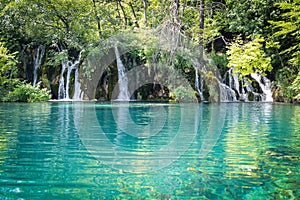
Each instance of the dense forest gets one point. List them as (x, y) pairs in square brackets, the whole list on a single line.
[(43, 45)]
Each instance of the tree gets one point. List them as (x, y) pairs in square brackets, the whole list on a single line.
[(287, 35), (287, 29), (249, 17), (7, 70), (145, 13), (247, 58), (97, 18)]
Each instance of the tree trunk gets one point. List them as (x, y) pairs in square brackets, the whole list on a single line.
[(97, 19), (119, 14), (183, 11), (201, 36), (176, 12), (145, 13), (124, 14), (134, 15)]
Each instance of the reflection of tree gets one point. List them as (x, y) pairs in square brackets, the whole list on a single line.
[(42, 155), (240, 153), (11, 118), (295, 120), (281, 156), (242, 157), (265, 159), (257, 155), (4, 146)]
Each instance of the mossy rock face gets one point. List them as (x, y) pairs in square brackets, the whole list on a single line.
[(197, 96), (54, 91), (296, 101), (214, 90), (251, 96), (236, 94), (54, 87), (46, 83)]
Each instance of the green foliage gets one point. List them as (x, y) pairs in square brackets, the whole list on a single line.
[(184, 95), (213, 87), (249, 17), (7, 69), (283, 90), (249, 57), (286, 38), (65, 27), (58, 58), (296, 86), (24, 92), (220, 61), (287, 30)]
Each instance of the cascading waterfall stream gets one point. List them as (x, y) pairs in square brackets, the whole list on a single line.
[(122, 79), (63, 91), (243, 95), (197, 85), (234, 81), (61, 87), (233, 84), (226, 93), (250, 90), (78, 94), (265, 85), (71, 66), (39, 54), (246, 88)]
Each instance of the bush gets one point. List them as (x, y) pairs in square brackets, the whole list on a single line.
[(284, 88), (296, 87), (184, 95), (8, 70), (25, 92)]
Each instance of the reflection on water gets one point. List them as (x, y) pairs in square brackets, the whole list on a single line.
[(240, 151), (115, 135)]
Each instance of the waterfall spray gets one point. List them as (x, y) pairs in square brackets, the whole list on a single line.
[(123, 81), (39, 54)]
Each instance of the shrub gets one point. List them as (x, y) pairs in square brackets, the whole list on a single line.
[(25, 92), (285, 86), (184, 95), (296, 86), (7, 70)]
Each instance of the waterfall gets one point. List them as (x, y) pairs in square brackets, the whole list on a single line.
[(234, 85), (38, 61), (226, 93), (123, 81), (63, 91), (70, 68), (250, 89), (267, 89), (197, 86), (235, 82), (61, 87), (78, 95), (230, 77), (243, 96), (265, 85)]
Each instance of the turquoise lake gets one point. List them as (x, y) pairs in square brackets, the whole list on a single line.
[(69, 150)]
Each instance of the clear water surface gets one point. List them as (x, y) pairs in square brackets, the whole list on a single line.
[(149, 151)]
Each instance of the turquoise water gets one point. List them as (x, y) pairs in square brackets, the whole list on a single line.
[(149, 151)]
